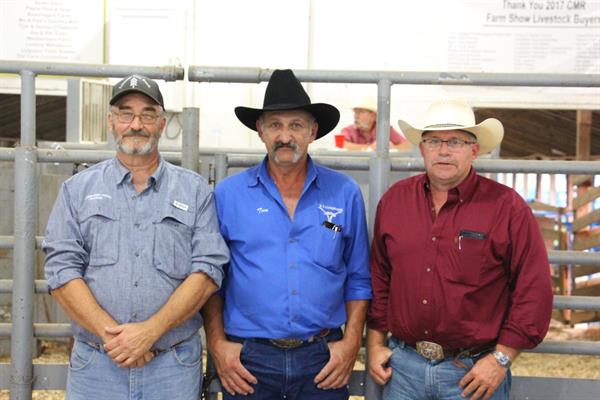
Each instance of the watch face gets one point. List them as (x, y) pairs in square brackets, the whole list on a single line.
[(502, 358)]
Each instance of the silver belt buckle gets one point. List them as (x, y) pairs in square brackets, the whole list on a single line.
[(429, 350)]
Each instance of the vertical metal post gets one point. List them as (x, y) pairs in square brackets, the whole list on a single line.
[(380, 164), (190, 152), (220, 167), (379, 177), (24, 247)]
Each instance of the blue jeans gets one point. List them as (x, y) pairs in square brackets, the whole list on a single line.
[(416, 378), (287, 373), (173, 374)]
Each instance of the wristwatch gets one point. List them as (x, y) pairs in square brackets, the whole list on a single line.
[(502, 359)]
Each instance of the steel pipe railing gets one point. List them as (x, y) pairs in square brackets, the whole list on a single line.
[(167, 72), (405, 164), (256, 75)]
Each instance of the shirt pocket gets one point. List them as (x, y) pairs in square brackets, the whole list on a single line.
[(328, 249), (99, 223), (173, 231), (468, 257)]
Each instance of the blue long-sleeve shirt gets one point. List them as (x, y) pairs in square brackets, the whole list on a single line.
[(134, 249), (292, 278)]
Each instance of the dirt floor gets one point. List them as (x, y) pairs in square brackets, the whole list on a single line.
[(528, 364)]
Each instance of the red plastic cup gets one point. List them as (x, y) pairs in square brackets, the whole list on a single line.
[(339, 141)]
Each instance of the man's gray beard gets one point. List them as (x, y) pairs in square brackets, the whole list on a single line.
[(137, 151)]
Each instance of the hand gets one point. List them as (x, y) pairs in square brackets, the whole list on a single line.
[(130, 344), (235, 379), (145, 359), (483, 379), (379, 356), (336, 373)]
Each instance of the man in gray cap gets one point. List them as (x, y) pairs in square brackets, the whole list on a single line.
[(133, 250)]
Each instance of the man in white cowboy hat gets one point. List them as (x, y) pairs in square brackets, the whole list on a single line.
[(299, 260), (459, 267), (363, 133)]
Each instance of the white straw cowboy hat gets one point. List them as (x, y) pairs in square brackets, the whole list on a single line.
[(366, 103), (456, 114)]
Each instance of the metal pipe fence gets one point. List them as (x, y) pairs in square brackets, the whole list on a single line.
[(22, 376)]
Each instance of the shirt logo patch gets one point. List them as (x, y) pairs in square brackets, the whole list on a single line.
[(98, 196), (261, 210), (330, 212), (181, 206)]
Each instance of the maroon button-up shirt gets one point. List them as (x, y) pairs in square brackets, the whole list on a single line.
[(475, 273)]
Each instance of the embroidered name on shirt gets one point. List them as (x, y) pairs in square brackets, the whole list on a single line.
[(181, 206), (97, 196), (261, 210)]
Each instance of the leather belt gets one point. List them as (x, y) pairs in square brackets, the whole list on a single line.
[(290, 343), (434, 352), (156, 352)]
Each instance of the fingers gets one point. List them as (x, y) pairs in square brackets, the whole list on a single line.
[(333, 376), (379, 357), (114, 330), (477, 389), (324, 372), (380, 374), (237, 380)]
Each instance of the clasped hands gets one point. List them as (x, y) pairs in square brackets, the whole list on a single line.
[(129, 344)]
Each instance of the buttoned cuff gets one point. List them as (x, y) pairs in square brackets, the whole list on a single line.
[(62, 278), (214, 273), (516, 340)]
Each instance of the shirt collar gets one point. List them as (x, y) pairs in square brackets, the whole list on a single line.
[(463, 191), (261, 173), (122, 174)]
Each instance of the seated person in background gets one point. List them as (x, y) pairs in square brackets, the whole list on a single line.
[(362, 134)]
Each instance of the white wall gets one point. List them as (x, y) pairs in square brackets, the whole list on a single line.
[(452, 35)]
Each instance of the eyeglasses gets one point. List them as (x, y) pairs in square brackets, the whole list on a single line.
[(453, 143), (127, 117)]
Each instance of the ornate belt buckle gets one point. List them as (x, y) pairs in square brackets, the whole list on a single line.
[(429, 350), (287, 343)]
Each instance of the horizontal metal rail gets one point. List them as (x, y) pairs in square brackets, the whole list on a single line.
[(576, 303), (41, 330), (573, 257), (167, 72), (331, 161), (554, 256), (198, 73), (40, 286)]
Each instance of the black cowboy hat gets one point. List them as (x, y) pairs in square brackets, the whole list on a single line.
[(284, 92)]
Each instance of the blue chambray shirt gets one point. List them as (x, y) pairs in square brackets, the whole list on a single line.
[(291, 278), (133, 250)]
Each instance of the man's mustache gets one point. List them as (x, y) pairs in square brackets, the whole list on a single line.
[(290, 145), (135, 133), (444, 161)]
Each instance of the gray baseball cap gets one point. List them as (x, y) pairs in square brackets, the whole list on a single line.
[(137, 84)]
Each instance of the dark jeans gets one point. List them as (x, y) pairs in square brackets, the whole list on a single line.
[(287, 373)]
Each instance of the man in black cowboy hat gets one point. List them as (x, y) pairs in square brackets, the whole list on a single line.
[(299, 260)]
